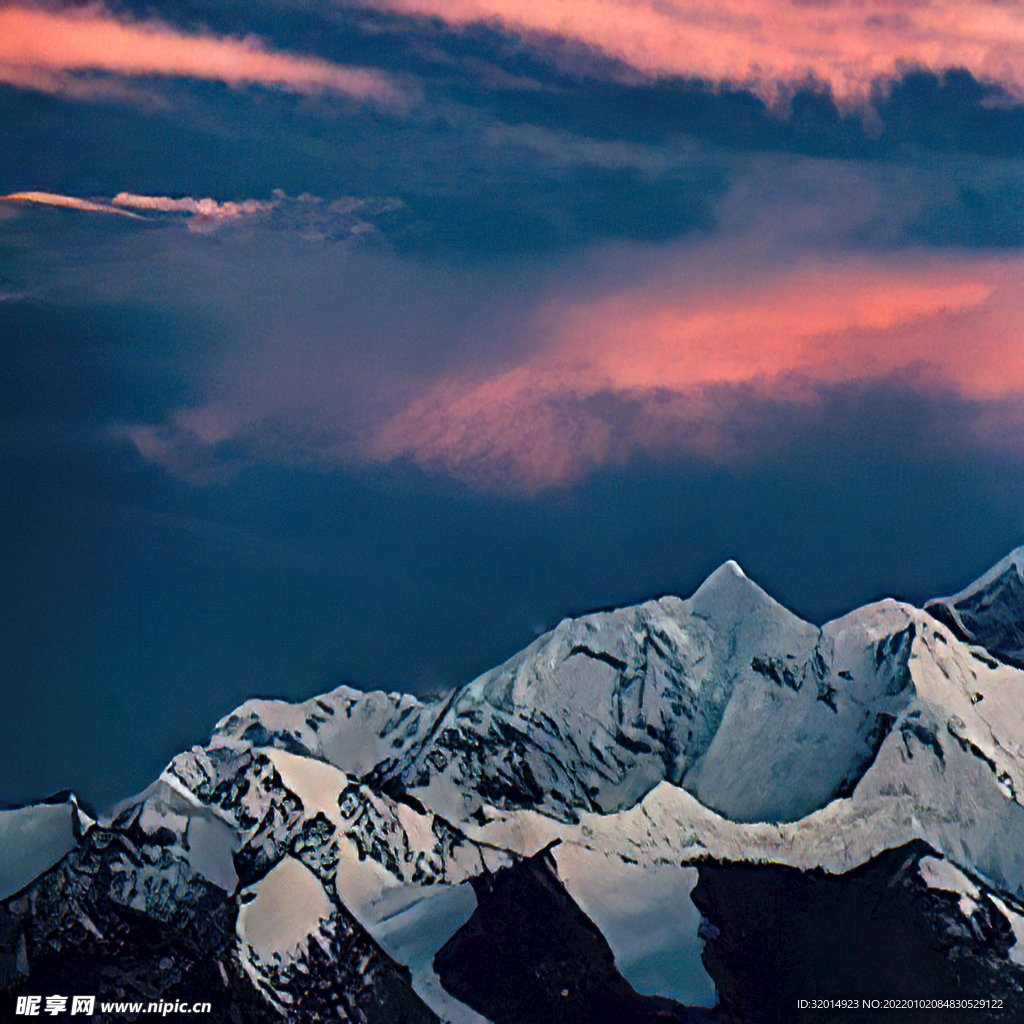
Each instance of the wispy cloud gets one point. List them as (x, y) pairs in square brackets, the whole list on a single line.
[(203, 214), (847, 44), (186, 204), (310, 216), (65, 202), (40, 48)]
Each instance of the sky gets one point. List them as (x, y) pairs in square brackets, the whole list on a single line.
[(362, 342)]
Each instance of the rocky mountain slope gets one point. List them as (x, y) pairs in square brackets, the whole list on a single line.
[(687, 810)]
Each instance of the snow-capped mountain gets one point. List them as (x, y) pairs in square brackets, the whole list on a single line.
[(691, 809), (595, 713)]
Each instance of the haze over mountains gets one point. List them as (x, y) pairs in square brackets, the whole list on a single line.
[(685, 810)]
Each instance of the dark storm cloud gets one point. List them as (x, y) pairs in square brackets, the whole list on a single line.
[(519, 77)]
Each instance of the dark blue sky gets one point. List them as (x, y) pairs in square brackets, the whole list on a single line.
[(375, 386)]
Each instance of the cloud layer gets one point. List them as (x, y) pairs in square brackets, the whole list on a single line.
[(40, 48), (681, 351), (685, 365), (848, 44)]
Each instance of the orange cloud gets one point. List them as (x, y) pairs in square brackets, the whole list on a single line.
[(38, 47), (827, 324), (65, 202), (846, 43), (681, 360)]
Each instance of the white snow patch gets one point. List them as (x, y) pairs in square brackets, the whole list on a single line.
[(648, 919), (211, 848), (940, 874), (288, 907), (360, 883), (32, 840), (412, 923), (1016, 922), (525, 832), (417, 826), (314, 782)]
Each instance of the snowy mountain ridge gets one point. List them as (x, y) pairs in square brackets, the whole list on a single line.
[(346, 846), (595, 713), (990, 611)]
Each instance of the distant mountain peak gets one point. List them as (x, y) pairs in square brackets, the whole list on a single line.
[(730, 591), (990, 611), (728, 573), (731, 565)]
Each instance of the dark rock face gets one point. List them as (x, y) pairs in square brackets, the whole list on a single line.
[(127, 920), (91, 926), (529, 955), (991, 615), (345, 976), (775, 935)]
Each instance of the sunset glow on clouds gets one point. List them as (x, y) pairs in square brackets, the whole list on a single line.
[(680, 365), (39, 47), (490, 311), (676, 359), (847, 44), (671, 351), (662, 369), (763, 44)]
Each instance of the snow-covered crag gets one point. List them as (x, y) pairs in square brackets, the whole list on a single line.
[(687, 810), (990, 612)]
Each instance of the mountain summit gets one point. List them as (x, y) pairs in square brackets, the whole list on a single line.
[(990, 611), (594, 824)]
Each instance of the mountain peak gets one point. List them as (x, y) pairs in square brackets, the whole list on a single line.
[(635, 787), (732, 566), (728, 576), (989, 611), (1012, 562), (730, 593), (728, 570)]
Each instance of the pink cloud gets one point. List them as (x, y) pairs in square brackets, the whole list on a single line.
[(681, 362), (846, 43), (830, 324), (38, 48)]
